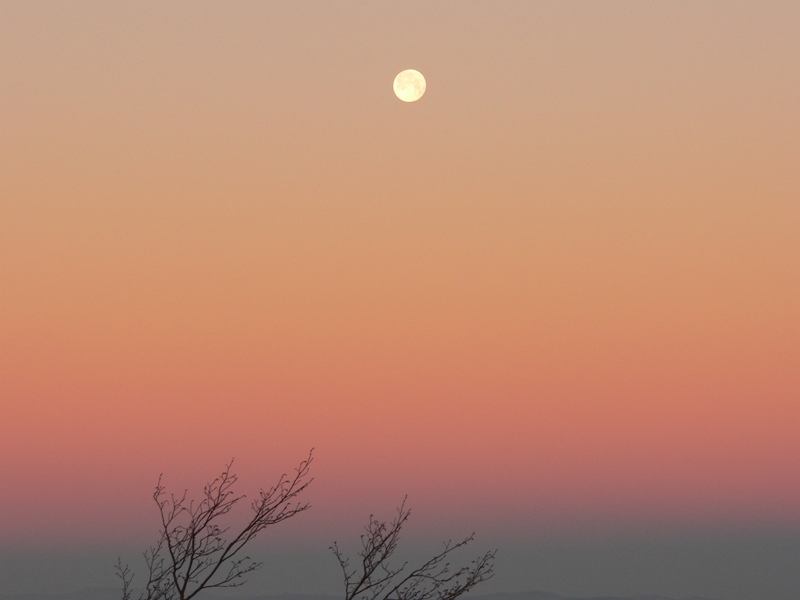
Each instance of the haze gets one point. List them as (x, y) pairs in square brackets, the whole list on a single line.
[(555, 301)]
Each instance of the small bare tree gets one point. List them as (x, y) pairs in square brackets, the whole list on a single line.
[(373, 578), (193, 552)]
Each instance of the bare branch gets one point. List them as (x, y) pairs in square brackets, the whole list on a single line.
[(376, 579), (194, 551), (124, 573)]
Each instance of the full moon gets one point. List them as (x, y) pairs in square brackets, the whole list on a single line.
[(409, 85)]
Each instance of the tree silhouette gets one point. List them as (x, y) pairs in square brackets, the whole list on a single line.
[(373, 578), (193, 553)]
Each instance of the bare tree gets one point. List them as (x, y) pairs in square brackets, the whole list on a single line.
[(193, 552), (373, 578)]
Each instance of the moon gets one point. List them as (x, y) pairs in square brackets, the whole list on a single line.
[(409, 85)]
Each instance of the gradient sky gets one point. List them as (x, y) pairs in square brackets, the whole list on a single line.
[(554, 301)]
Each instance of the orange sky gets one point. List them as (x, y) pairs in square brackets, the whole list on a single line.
[(559, 291)]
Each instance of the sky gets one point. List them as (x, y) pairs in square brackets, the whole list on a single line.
[(555, 301)]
